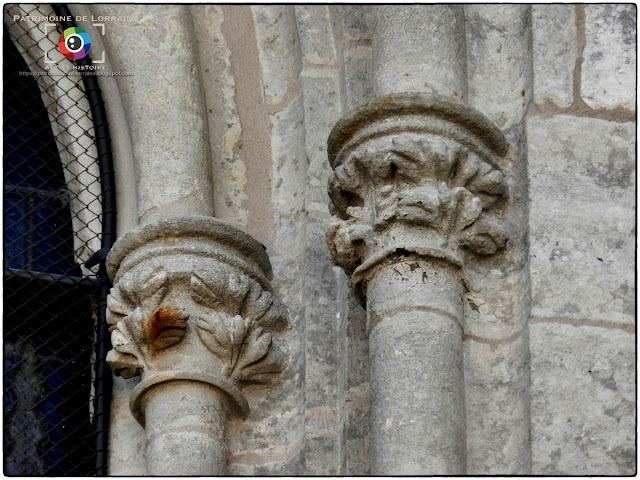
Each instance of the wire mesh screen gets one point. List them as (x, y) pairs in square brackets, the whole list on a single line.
[(52, 215)]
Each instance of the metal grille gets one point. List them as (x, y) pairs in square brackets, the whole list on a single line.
[(52, 224)]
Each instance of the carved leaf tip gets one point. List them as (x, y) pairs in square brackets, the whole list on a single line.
[(125, 358), (153, 290), (239, 343), (203, 293)]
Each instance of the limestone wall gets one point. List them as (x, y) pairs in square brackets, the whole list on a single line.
[(582, 179), (550, 355)]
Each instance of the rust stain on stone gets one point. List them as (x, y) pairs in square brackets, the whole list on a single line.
[(167, 327)]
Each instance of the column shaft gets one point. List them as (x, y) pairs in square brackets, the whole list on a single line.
[(415, 188), (165, 108), (185, 429), (415, 354), (500, 63), (420, 48)]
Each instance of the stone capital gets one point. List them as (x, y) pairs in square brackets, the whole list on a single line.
[(415, 174), (192, 301)]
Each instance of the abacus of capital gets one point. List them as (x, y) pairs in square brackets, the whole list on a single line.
[(417, 187), (191, 312)]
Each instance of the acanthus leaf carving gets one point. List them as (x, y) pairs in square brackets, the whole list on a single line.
[(244, 349), (204, 295), (421, 181), (153, 290), (191, 301), (235, 335)]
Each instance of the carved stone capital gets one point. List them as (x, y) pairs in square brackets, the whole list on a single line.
[(414, 173), (192, 301)]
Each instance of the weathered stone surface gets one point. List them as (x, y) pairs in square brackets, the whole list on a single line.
[(172, 422), (325, 355), (609, 65), (357, 413), (497, 297), (357, 55), (321, 110), (555, 47), (498, 41), (318, 42), (250, 139), (582, 214), (273, 443), (583, 400), (229, 172), (289, 158), (358, 64), (356, 21), (278, 47), (325, 338), (415, 358), (498, 288)]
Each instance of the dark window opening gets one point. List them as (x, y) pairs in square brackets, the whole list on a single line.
[(48, 314)]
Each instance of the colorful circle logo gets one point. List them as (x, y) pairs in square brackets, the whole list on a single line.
[(74, 43)]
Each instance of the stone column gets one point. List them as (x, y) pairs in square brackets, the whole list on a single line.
[(164, 106), (498, 299), (420, 48), (189, 312), (416, 188)]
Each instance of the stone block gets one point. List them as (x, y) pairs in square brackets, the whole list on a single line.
[(325, 343), (582, 218), (321, 111), (170, 88), (609, 65), (583, 401), (554, 53), (229, 172)]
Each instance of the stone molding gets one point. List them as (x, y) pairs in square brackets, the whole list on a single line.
[(192, 301), (414, 173)]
